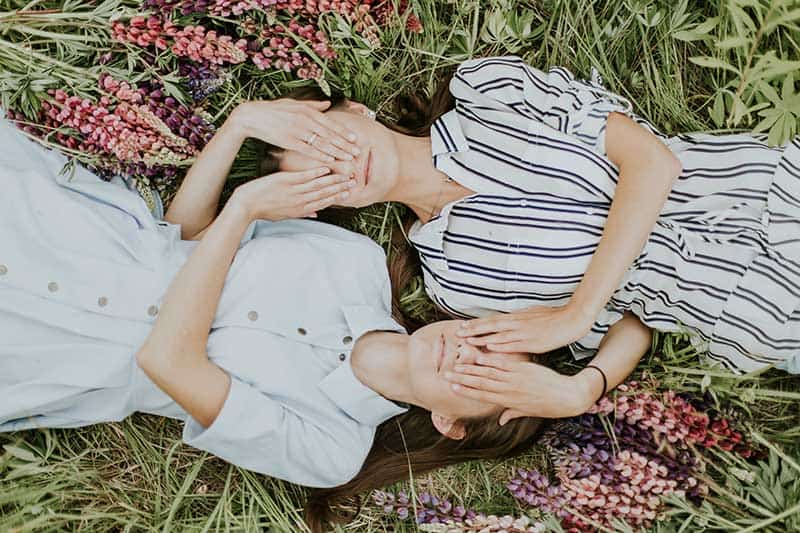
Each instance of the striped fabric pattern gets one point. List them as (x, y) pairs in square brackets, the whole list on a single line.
[(722, 263)]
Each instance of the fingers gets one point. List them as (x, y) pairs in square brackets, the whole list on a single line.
[(300, 145), (496, 338), (477, 394), (500, 361), (320, 183), (517, 346), (319, 105), (510, 414), (339, 189), (487, 372), (326, 198), (324, 144), (482, 326), (303, 176), (340, 132)]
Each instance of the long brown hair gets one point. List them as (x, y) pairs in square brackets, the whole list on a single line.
[(409, 443)]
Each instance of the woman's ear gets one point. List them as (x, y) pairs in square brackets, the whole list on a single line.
[(450, 428)]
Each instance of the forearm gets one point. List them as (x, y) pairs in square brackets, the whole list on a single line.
[(174, 355), (647, 171), (620, 351), (195, 204)]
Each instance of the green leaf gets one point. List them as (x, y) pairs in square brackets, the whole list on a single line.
[(733, 42), (689, 35), (717, 111), (20, 453), (713, 62), (707, 25), (784, 19), (788, 86)]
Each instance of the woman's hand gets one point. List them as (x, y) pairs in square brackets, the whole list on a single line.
[(297, 125), (535, 330), (524, 388), (291, 194)]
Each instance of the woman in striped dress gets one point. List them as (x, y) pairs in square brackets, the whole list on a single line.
[(546, 199)]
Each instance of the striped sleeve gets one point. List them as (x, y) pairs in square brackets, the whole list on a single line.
[(577, 108)]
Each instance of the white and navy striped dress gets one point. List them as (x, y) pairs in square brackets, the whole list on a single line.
[(722, 263)]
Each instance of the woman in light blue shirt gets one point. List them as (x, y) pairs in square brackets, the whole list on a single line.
[(272, 339)]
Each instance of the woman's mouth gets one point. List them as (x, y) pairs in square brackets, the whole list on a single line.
[(440, 356), (367, 167)]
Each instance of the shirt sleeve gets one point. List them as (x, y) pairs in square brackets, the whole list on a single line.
[(256, 432), (555, 98)]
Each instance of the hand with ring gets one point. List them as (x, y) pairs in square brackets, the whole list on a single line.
[(297, 125)]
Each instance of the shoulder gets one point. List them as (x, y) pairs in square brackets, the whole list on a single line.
[(510, 67)]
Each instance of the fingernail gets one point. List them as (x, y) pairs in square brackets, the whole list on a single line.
[(323, 170), (345, 194), (356, 151), (459, 368), (448, 375), (348, 157), (352, 137), (351, 184), (330, 159), (456, 387)]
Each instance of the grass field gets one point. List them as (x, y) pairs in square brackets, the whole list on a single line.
[(724, 65)]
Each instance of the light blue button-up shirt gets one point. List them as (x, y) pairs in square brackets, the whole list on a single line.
[(83, 270)]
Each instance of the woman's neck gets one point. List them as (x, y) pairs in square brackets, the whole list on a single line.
[(379, 361), (421, 186)]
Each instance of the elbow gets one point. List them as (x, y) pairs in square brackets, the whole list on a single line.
[(667, 161), (673, 165)]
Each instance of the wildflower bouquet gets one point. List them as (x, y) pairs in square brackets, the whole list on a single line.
[(179, 52), (612, 465)]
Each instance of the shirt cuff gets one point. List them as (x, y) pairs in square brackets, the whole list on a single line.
[(228, 421)]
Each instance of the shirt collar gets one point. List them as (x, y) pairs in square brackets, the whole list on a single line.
[(344, 389), (447, 136), (360, 402)]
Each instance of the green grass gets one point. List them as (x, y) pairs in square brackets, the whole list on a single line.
[(136, 475)]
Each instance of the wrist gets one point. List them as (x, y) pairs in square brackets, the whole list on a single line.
[(588, 384), (239, 120), (237, 209), (583, 313)]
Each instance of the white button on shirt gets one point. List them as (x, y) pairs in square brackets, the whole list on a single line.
[(85, 268)]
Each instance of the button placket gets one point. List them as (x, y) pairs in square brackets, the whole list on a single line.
[(3, 270), (152, 310), (252, 316)]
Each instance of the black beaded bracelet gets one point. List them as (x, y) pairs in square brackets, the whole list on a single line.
[(605, 380)]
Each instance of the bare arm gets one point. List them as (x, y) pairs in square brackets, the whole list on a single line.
[(174, 354), (530, 389), (286, 123), (620, 351), (647, 171), (195, 204)]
